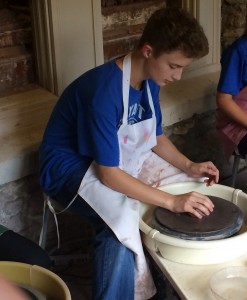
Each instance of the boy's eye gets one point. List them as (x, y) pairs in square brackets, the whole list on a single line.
[(173, 66)]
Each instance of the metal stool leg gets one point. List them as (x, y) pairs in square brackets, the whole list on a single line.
[(235, 170)]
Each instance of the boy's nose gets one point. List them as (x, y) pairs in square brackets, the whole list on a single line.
[(178, 74)]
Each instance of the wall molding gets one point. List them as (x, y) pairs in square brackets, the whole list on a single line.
[(208, 13)]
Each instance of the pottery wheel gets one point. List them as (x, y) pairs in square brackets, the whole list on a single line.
[(225, 220)]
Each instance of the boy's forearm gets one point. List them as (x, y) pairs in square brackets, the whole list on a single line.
[(168, 151), (226, 104), (118, 180)]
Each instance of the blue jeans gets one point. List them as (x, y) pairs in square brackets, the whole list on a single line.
[(113, 271)]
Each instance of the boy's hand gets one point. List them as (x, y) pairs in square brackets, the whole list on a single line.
[(204, 169)]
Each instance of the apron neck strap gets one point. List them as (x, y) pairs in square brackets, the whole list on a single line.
[(126, 88)]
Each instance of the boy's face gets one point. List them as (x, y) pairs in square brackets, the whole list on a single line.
[(166, 68)]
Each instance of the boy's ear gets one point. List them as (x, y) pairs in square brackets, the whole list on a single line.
[(146, 50)]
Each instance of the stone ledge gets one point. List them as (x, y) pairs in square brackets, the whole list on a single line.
[(23, 117), (181, 100)]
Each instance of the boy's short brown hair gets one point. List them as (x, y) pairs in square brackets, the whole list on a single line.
[(172, 29)]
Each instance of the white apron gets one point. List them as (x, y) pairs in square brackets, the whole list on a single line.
[(120, 212)]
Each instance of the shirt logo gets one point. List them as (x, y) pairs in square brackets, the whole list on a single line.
[(135, 113)]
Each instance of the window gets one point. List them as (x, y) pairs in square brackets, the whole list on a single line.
[(208, 13)]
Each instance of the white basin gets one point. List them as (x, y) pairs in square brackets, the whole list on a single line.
[(190, 251)]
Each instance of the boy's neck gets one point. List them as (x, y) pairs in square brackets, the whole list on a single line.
[(137, 70)]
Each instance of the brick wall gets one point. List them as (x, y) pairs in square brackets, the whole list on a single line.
[(16, 54), (233, 20), (123, 22)]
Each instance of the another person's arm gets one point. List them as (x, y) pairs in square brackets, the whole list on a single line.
[(227, 105), (233, 78)]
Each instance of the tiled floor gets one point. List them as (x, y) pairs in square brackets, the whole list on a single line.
[(76, 270)]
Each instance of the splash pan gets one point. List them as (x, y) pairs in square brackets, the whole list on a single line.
[(191, 251)]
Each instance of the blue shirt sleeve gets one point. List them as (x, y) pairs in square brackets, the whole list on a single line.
[(233, 75)]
